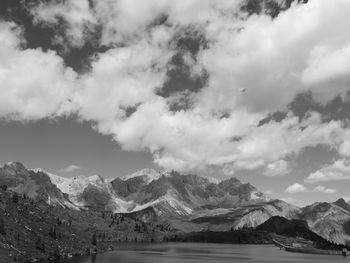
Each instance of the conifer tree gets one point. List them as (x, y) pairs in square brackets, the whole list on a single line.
[(94, 239), (39, 244), (15, 198), (2, 226)]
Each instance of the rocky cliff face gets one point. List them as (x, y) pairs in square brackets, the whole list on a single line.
[(168, 192), (328, 220), (32, 183), (190, 202), (182, 194)]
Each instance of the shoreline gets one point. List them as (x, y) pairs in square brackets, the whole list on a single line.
[(307, 250), (113, 246)]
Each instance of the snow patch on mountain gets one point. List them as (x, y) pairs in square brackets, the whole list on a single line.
[(76, 184), (256, 195), (149, 175), (55, 179), (212, 180)]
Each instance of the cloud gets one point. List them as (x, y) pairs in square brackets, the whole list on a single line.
[(337, 171), (264, 57), (277, 168), (289, 43), (126, 77), (326, 65), (120, 21), (33, 84), (300, 188), (296, 188), (185, 140), (79, 18), (70, 168), (344, 148), (324, 190)]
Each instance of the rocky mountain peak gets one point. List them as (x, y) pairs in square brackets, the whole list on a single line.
[(343, 204), (96, 178), (174, 195), (16, 167), (147, 174)]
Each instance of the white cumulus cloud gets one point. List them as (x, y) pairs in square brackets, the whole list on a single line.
[(33, 84), (324, 190), (277, 168), (70, 168), (255, 65), (339, 170), (77, 15), (300, 188), (296, 188)]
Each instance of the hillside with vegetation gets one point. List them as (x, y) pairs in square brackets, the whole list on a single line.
[(31, 229)]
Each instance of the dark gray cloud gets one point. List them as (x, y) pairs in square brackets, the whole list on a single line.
[(181, 80), (304, 103), (40, 35), (269, 7)]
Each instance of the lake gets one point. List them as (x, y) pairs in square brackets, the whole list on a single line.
[(199, 252)]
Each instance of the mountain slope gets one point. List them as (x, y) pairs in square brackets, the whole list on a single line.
[(341, 203), (328, 220), (187, 201), (183, 194), (171, 194), (32, 229), (244, 216), (291, 228), (90, 192), (33, 183)]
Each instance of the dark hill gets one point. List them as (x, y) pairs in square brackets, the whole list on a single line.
[(290, 228)]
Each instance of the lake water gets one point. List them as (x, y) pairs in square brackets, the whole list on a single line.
[(197, 252)]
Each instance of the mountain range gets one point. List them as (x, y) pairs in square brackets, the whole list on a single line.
[(187, 202)]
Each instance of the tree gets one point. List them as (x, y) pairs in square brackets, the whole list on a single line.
[(39, 244), (53, 232), (2, 226), (15, 198), (346, 227), (70, 221), (94, 239), (56, 253)]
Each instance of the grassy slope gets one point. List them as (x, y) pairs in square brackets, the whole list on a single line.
[(28, 221)]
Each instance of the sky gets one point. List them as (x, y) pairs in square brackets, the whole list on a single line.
[(254, 89)]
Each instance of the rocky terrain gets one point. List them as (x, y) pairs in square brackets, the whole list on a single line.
[(145, 206), (329, 220), (31, 229)]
